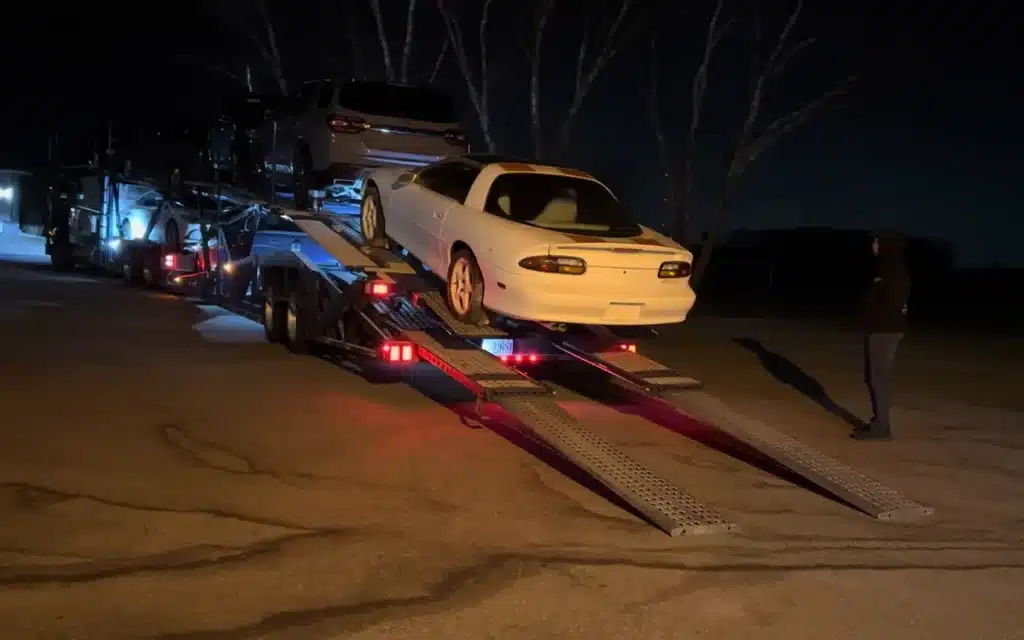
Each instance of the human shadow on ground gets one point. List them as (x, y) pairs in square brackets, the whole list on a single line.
[(788, 372)]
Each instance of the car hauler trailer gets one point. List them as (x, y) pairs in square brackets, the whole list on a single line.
[(313, 284)]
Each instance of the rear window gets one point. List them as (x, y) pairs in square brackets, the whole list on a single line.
[(397, 101), (560, 203)]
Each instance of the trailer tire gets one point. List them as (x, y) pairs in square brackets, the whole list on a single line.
[(274, 317), (131, 269), (62, 257), (297, 323)]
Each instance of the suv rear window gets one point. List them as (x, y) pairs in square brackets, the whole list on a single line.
[(397, 101)]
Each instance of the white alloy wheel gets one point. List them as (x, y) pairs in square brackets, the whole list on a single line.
[(460, 286), (369, 218)]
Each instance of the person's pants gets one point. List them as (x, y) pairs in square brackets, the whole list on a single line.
[(879, 362)]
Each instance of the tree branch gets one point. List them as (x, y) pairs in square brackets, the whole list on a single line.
[(410, 16), (478, 95), (535, 122), (438, 61), (382, 37)]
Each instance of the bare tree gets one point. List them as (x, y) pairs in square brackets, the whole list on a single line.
[(755, 138), (679, 170), (535, 50), (382, 37), (593, 58), (263, 39), (478, 82)]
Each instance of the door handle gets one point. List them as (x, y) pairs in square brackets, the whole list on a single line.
[(438, 214)]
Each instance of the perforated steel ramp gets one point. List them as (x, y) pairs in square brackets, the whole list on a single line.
[(843, 482), (644, 371), (436, 303), (663, 504)]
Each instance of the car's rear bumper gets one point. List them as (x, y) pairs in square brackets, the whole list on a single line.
[(525, 297)]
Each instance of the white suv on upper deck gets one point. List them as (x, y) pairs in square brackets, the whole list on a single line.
[(329, 132)]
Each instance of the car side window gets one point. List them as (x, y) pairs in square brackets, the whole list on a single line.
[(146, 201), (449, 180)]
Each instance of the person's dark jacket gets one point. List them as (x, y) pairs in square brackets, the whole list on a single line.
[(885, 305)]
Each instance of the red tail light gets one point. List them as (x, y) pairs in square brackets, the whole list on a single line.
[(674, 270), (398, 352), (378, 289), (170, 261), (520, 358), (455, 138), (346, 124), (627, 346)]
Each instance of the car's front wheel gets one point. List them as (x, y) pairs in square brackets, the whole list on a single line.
[(465, 288), (371, 218)]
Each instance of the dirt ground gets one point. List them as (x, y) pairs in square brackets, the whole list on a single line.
[(164, 473)]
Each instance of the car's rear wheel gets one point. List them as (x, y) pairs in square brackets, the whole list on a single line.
[(465, 288), (371, 218)]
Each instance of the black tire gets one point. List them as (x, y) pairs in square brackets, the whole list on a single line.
[(172, 236), (274, 317), (468, 306), (297, 337), (302, 179), (131, 269), (62, 257), (371, 218)]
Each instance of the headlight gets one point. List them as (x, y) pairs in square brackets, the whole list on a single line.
[(674, 270), (555, 264)]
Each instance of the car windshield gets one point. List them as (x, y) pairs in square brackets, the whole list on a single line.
[(397, 101), (561, 203)]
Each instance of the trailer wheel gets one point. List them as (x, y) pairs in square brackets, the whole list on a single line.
[(131, 270), (274, 317), (62, 256), (297, 316)]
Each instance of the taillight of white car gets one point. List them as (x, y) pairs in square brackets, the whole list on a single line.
[(674, 270), (555, 264)]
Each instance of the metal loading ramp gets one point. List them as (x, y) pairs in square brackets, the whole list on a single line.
[(533, 404), (663, 504), (847, 484)]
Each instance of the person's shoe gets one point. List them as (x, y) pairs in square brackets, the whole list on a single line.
[(871, 431)]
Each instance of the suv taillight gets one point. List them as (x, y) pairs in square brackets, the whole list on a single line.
[(455, 138), (346, 124)]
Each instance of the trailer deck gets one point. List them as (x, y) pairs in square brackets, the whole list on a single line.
[(413, 313)]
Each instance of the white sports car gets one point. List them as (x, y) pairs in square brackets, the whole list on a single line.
[(529, 242)]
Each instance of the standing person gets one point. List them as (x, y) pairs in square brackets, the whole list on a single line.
[(884, 322)]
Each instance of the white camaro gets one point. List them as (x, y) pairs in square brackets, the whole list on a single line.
[(528, 241)]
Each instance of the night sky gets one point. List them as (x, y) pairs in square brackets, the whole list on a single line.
[(929, 139)]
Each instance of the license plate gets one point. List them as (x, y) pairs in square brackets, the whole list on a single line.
[(499, 346), (622, 312)]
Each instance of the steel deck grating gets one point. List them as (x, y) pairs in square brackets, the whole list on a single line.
[(850, 485), (629, 362), (434, 301), (672, 510), (470, 362)]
